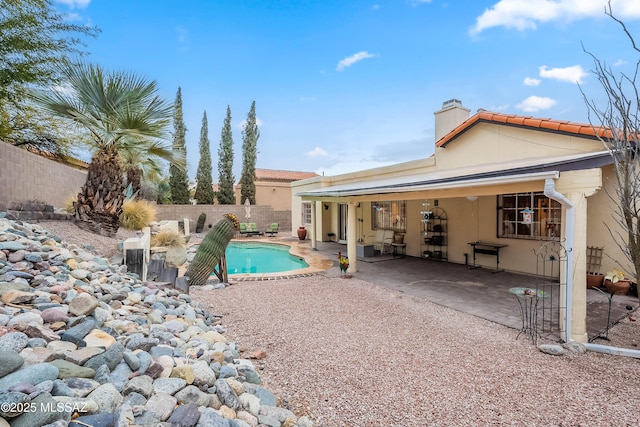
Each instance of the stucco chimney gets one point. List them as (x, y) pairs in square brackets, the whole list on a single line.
[(451, 115)]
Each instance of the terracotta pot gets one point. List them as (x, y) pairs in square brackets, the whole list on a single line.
[(594, 280), (302, 233), (621, 287)]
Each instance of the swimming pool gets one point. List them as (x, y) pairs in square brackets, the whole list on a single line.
[(254, 257)]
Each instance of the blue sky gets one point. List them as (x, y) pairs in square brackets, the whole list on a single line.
[(348, 85)]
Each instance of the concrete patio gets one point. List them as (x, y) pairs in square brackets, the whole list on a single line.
[(479, 292)]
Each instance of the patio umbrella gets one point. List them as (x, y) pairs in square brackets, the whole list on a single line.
[(247, 208)]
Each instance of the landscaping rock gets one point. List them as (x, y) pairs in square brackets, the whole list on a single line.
[(80, 329)]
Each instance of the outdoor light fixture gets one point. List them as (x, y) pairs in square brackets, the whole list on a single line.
[(472, 198)]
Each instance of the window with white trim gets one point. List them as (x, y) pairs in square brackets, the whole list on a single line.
[(389, 215), (306, 213), (531, 216)]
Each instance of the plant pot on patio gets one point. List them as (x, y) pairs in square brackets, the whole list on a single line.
[(302, 233), (594, 280), (621, 287)]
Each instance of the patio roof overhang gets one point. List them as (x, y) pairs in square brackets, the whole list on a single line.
[(462, 181)]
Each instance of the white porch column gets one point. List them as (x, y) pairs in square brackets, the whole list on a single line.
[(579, 269), (314, 225), (576, 186), (352, 239)]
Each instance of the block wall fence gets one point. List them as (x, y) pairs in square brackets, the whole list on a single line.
[(27, 177), (260, 214)]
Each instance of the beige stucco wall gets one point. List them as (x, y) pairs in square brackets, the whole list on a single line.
[(276, 194), (602, 212), (488, 143), (25, 176)]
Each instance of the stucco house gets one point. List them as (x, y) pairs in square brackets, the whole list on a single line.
[(273, 187), (514, 182)]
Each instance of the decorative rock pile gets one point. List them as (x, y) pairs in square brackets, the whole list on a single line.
[(82, 342)]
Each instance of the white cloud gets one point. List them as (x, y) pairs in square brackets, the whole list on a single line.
[(350, 60), (243, 123), (317, 152), (71, 17), (536, 103), (347, 167), (375, 7), (418, 2), (573, 74), (307, 98), (619, 62), (527, 14), (503, 107), (183, 34), (75, 3), (530, 81)]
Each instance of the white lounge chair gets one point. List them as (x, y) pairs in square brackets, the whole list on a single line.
[(381, 241)]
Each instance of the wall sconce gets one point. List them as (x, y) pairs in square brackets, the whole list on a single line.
[(472, 198), (326, 207)]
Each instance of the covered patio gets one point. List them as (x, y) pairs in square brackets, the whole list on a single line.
[(479, 292)]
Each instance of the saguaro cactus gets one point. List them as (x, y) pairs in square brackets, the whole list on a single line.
[(200, 224), (211, 251)]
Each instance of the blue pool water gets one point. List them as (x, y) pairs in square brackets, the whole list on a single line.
[(260, 258)]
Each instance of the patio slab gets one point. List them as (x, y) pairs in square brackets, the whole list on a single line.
[(479, 292)]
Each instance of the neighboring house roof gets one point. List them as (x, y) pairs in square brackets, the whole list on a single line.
[(478, 175), (66, 160), (280, 175), (547, 125)]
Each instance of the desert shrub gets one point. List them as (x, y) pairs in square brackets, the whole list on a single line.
[(168, 239), (68, 204), (137, 214)]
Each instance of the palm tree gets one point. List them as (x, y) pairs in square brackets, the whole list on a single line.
[(141, 160), (115, 108)]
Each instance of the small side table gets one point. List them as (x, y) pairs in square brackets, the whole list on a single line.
[(399, 250), (528, 302)]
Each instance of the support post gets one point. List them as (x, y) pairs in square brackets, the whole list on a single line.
[(352, 237), (314, 225)]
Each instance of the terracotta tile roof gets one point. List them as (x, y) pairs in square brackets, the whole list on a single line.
[(547, 125), (67, 160), (279, 175)]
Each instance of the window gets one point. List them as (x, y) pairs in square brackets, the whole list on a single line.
[(389, 215), (306, 213), (529, 216)]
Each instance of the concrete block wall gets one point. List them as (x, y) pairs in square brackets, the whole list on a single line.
[(25, 176), (260, 214)]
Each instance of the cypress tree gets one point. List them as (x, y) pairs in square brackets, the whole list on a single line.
[(226, 195), (204, 188), (250, 135), (178, 180)]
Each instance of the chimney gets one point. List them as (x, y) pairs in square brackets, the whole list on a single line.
[(451, 115)]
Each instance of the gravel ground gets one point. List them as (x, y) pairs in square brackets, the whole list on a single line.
[(349, 353)]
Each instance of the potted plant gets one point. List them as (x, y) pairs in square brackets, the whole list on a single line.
[(615, 282)]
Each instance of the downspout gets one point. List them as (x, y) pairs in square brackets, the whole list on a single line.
[(551, 192)]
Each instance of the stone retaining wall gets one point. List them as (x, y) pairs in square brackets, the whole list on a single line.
[(27, 177)]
